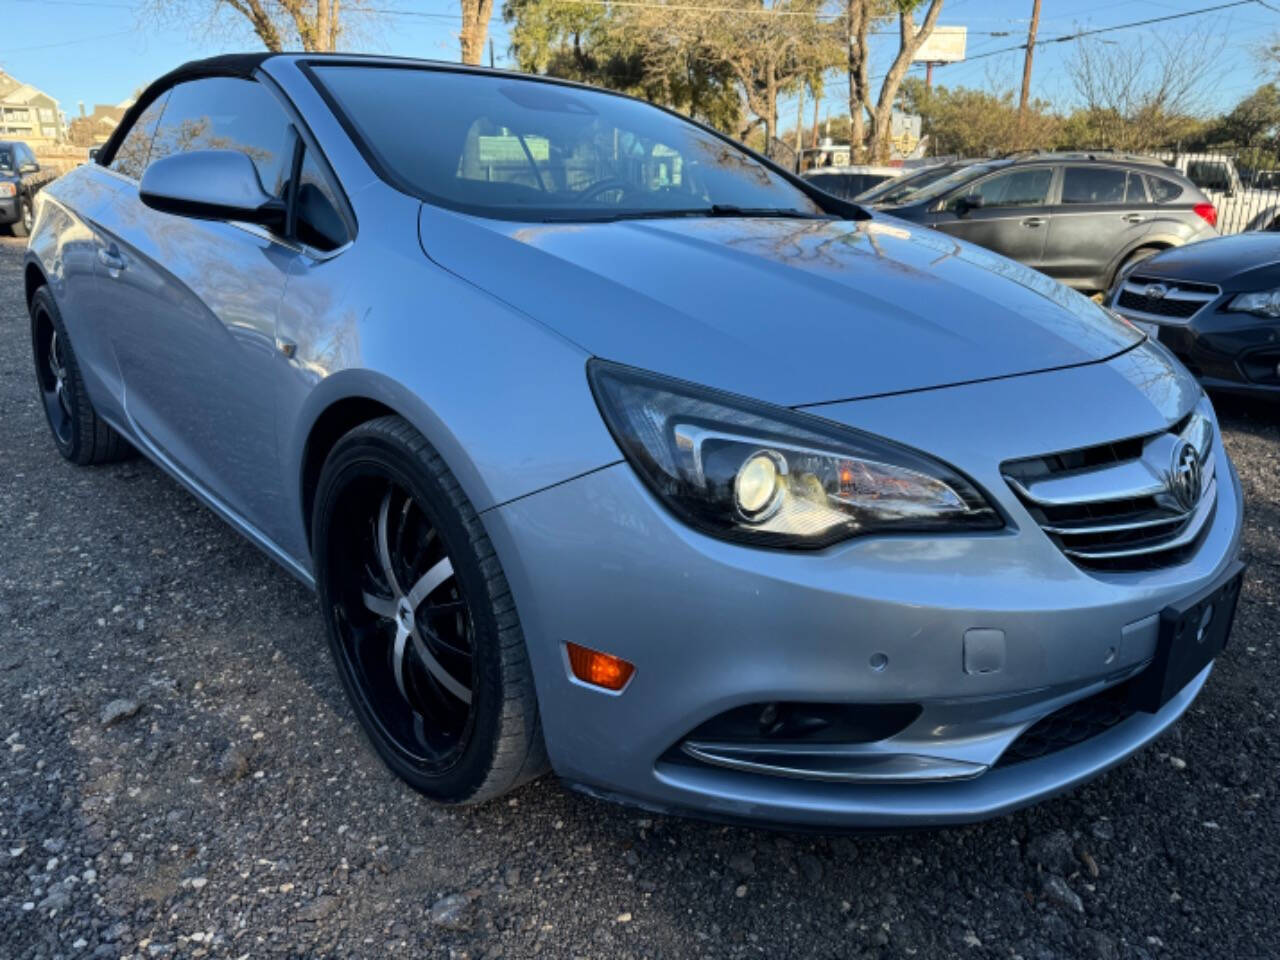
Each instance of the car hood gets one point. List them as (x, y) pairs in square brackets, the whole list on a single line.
[(1244, 261), (789, 311)]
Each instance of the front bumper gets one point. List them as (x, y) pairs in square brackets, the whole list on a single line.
[(712, 626), (1230, 352), (10, 210)]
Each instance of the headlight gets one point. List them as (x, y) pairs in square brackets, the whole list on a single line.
[(1265, 303), (748, 471), (8, 189)]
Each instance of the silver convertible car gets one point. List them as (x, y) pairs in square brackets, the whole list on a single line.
[(613, 449)]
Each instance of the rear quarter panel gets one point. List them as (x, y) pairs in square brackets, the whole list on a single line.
[(63, 247)]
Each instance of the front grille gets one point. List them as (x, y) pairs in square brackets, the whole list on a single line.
[(1070, 725), (1172, 299), (1114, 506)]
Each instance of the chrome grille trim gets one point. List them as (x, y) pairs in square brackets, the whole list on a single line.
[(1181, 301), (1190, 526), (1119, 511)]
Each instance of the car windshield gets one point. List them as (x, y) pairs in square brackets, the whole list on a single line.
[(942, 186), (6, 158), (527, 150), (897, 191)]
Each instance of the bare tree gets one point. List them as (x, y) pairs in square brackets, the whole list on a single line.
[(1146, 92), (313, 25), (475, 28), (859, 16), (1267, 54)]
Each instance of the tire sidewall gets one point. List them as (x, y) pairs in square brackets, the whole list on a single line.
[(42, 303), (358, 457)]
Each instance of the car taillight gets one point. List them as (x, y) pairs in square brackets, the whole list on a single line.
[(1208, 213)]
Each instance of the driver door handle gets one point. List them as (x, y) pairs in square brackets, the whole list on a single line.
[(1033, 222), (112, 260), (1132, 218)]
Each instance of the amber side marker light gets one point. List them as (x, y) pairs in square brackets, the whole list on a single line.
[(599, 669)]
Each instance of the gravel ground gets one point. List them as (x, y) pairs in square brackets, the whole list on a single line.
[(180, 776)]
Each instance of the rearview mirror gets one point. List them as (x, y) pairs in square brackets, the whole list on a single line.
[(211, 185)]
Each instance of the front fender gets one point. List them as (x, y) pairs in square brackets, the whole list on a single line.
[(503, 399)]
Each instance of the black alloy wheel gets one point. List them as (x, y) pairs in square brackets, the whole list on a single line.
[(421, 622)]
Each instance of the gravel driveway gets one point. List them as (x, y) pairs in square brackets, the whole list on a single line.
[(180, 776)]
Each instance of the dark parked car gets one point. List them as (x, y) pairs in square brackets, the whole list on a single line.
[(1081, 218), (20, 180), (897, 189), (848, 182), (1217, 306)]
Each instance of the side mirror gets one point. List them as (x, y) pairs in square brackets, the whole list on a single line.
[(211, 185), (972, 201), (29, 168)]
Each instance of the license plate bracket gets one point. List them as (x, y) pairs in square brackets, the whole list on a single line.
[(1192, 632)]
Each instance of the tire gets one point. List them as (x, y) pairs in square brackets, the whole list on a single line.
[(1132, 260), (26, 219), (389, 514), (80, 435)]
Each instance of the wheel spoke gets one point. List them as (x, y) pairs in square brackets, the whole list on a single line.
[(384, 549), (381, 606), (397, 659), (437, 670), (438, 574)]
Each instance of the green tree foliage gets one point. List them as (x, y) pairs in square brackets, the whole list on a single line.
[(977, 123), (1254, 120), (723, 61)]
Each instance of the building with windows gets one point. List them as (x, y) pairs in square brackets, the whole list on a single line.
[(28, 114)]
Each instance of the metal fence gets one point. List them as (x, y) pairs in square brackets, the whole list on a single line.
[(1243, 185)]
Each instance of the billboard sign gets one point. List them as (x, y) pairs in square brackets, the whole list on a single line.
[(944, 45)]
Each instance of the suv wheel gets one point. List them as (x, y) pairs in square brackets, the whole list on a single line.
[(22, 226)]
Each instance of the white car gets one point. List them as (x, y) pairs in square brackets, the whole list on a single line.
[(1240, 207)]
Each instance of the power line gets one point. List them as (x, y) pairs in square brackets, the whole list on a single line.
[(1080, 34), (67, 43)]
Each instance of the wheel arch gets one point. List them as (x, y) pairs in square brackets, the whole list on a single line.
[(33, 278), (349, 398), (1159, 243)]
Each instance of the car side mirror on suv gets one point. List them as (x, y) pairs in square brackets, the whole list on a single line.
[(972, 201), (30, 167)]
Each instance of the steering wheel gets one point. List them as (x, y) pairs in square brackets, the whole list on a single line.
[(604, 186)]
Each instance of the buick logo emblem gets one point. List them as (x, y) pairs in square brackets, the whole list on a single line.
[(1155, 291), (1184, 481)]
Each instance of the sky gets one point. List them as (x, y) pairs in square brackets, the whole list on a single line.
[(102, 51)]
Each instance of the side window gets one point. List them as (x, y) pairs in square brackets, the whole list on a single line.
[(131, 156), (1135, 192), (227, 113), (317, 220), (1093, 185), (1209, 174), (1162, 190), (1017, 188)]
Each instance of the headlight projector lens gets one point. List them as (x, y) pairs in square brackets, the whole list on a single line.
[(756, 487)]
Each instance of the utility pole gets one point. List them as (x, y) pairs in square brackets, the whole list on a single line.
[(1026, 64), (491, 47)]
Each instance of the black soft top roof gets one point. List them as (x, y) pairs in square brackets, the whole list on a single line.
[(227, 65)]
